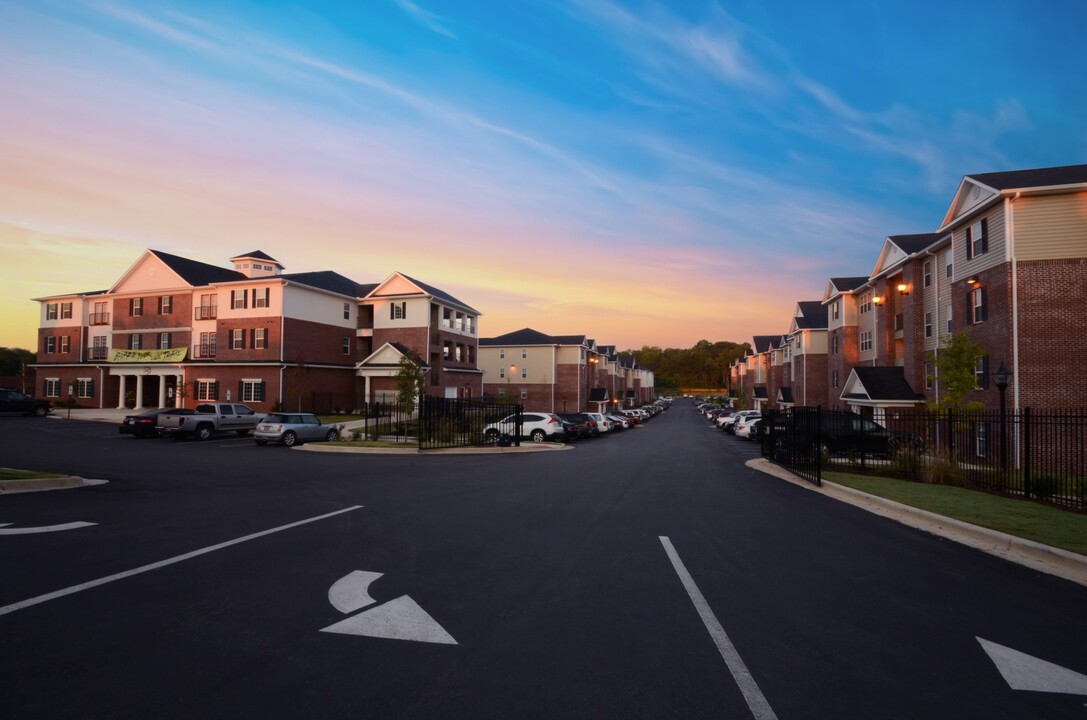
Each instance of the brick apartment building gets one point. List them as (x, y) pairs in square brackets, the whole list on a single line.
[(561, 373), (173, 331), (1007, 267)]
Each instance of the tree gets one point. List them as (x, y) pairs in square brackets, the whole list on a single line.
[(409, 382), (956, 371), (298, 380), (12, 361)]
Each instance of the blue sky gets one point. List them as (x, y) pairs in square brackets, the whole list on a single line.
[(644, 173)]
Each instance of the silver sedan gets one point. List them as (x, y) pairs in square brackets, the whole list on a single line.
[(290, 429)]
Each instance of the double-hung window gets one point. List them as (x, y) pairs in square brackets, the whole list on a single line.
[(928, 273), (928, 324), (977, 239), (135, 341), (260, 298), (51, 311), (135, 307), (84, 387), (237, 339), (978, 307), (65, 344), (164, 341), (166, 304), (50, 344), (66, 311), (51, 387), (260, 339), (252, 391)]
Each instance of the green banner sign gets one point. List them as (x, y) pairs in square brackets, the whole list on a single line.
[(171, 355)]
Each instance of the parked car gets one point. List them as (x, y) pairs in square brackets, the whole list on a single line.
[(603, 424), (842, 432), (209, 418), (622, 422), (289, 429), (754, 433), (729, 425), (535, 426), (13, 401), (583, 426), (143, 425), (743, 426)]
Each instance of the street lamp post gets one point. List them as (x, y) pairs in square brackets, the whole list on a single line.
[(1001, 376)]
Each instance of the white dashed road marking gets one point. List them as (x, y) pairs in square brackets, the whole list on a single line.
[(756, 701)]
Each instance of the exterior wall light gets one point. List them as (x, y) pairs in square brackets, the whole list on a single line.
[(878, 300), (903, 289)]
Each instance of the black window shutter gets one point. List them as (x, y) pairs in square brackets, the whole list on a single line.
[(90, 388), (252, 338), (196, 390), (259, 393), (131, 306), (215, 390), (985, 235), (984, 312), (392, 311), (232, 299), (160, 304), (404, 309), (984, 372), (970, 308), (241, 397)]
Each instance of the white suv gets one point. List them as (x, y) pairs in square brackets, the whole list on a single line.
[(729, 423), (535, 426)]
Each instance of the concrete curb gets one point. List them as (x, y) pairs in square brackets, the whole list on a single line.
[(12, 487), (526, 447), (1050, 560)]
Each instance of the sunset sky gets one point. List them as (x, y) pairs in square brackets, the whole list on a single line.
[(644, 173)]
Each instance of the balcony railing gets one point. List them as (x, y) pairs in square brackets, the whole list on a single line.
[(203, 352), (99, 318), (97, 353), (207, 312)]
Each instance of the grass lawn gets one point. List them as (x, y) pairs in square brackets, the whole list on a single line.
[(370, 444), (10, 474), (1028, 520)]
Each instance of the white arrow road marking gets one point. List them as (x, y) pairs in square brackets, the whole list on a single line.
[(399, 619), (5, 530), (1024, 672), (351, 592)]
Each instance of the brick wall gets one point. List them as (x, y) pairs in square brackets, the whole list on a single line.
[(1052, 341)]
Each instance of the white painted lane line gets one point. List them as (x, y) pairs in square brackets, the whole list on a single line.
[(163, 563), (760, 708)]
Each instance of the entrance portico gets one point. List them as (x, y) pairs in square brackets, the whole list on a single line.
[(141, 374)]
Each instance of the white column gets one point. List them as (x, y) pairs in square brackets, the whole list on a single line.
[(121, 392), (162, 391), (139, 392)]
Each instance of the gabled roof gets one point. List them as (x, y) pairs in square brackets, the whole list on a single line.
[(399, 278), (388, 356), (843, 286), (759, 392), (879, 385), (327, 280), (569, 339), (810, 315), (441, 294), (765, 343), (1037, 178), (196, 273), (980, 190), (256, 255), (785, 395), (897, 249), (524, 337)]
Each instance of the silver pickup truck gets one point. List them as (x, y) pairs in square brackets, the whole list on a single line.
[(210, 418)]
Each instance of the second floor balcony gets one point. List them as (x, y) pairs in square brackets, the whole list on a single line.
[(206, 312), (203, 351), (99, 318)]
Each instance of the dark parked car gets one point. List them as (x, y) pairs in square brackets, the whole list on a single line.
[(13, 401), (143, 424), (842, 433), (580, 424)]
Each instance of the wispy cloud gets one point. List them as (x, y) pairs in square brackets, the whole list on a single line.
[(431, 20)]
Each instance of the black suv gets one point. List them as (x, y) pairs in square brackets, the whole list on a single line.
[(841, 433), (12, 401)]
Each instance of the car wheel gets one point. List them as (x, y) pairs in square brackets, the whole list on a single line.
[(262, 442), (331, 436), (491, 435), (538, 435), (203, 432), (824, 451), (289, 439), (40, 411)]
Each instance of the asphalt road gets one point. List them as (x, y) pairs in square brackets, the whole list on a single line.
[(646, 575)]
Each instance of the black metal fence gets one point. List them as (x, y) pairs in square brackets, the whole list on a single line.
[(448, 422), (1028, 454)]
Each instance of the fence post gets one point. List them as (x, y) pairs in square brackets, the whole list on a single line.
[(1026, 453), (518, 424)]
